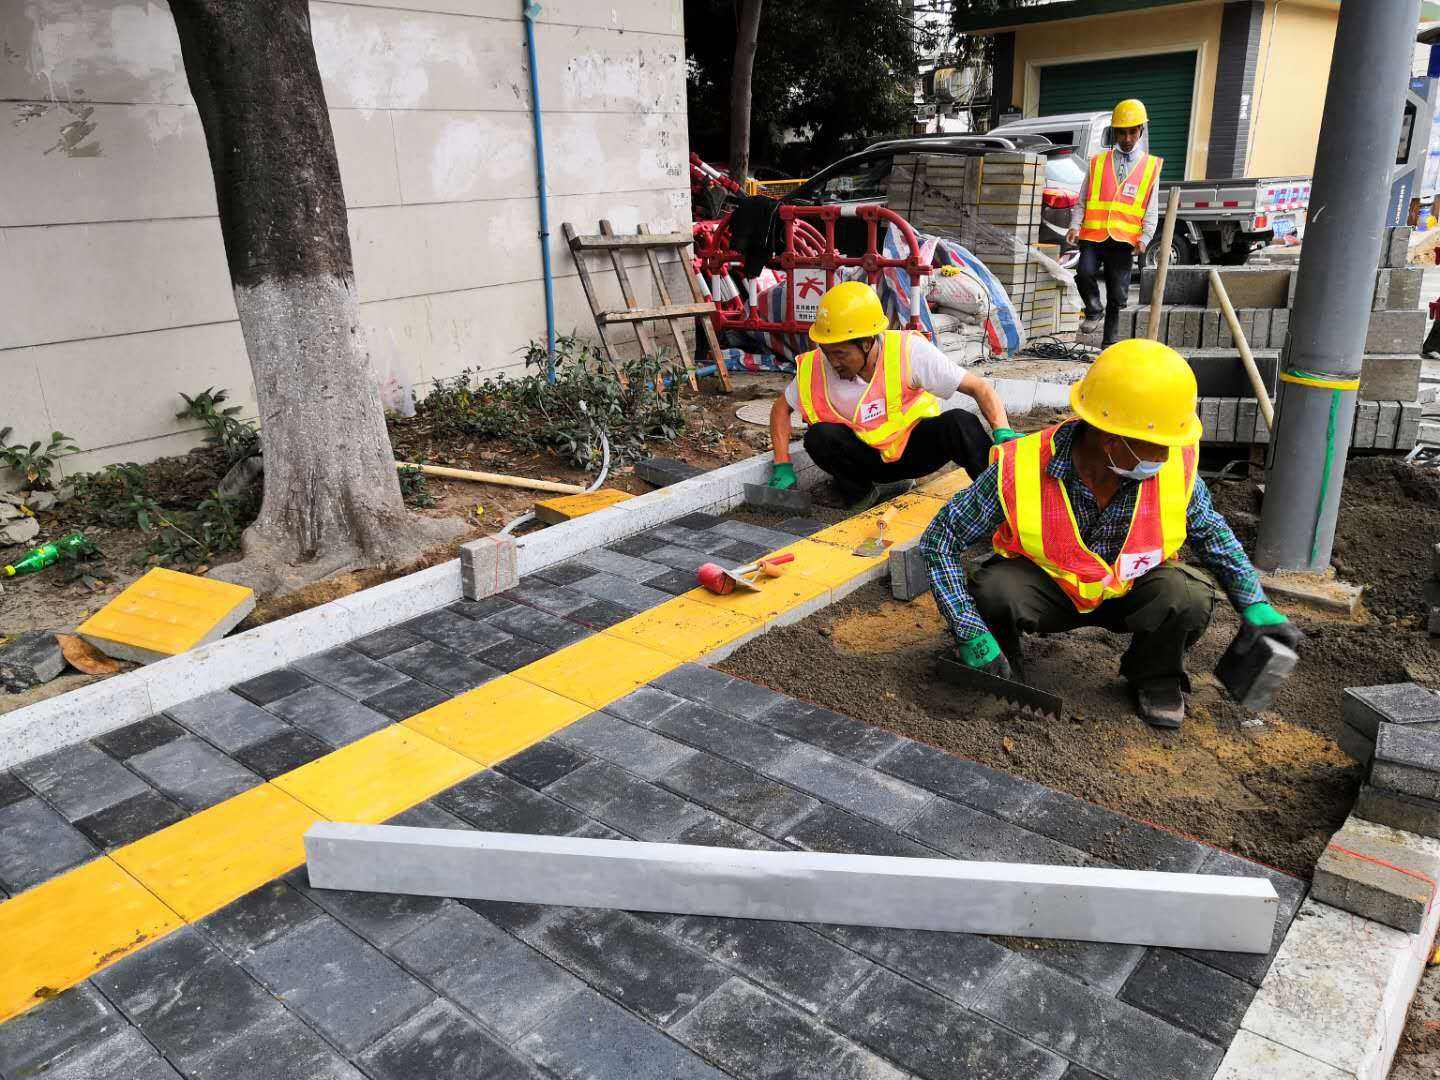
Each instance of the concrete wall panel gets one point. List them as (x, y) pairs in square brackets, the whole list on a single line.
[(365, 145), (25, 408), (585, 70), (631, 16)]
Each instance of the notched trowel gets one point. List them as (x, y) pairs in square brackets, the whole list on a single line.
[(1017, 693)]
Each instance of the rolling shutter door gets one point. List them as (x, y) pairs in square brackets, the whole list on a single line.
[(1165, 83)]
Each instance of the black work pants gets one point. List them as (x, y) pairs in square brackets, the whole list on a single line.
[(953, 436), (1165, 611), (1114, 261)]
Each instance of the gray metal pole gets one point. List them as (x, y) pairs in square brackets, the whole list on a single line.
[(1359, 133)]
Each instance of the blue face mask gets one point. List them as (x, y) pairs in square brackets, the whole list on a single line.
[(1143, 469)]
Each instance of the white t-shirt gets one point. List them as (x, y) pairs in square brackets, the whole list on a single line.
[(930, 369)]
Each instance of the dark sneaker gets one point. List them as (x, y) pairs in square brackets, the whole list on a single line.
[(879, 493), (1161, 705)]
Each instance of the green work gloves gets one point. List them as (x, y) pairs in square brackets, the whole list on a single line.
[(983, 653), (1261, 621), (1003, 435), (782, 475)]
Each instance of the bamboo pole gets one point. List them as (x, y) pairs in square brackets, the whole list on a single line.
[(494, 478), (1262, 395), (1162, 267)]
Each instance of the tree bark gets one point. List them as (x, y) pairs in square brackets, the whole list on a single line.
[(332, 496), (747, 34)]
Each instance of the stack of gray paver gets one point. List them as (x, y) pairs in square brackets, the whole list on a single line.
[(1395, 730)]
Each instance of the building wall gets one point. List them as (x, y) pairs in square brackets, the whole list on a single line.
[(1188, 26), (1296, 43), (114, 294)]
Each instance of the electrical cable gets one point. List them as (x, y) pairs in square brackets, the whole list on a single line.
[(526, 518)]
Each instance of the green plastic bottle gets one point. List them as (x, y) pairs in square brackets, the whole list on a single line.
[(37, 559)]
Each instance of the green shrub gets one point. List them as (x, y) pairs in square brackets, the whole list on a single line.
[(35, 462), (238, 439)]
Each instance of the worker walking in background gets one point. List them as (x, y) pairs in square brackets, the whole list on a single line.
[(1115, 218), (1085, 519), (872, 399)]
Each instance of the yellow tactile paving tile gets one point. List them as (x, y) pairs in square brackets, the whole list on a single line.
[(200, 864), (853, 531), (945, 487), (166, 612), (829, 564), (376, 777), (775, 598), (597, 670), (566, 507), (63, 931), (684, 629), (501, 718)]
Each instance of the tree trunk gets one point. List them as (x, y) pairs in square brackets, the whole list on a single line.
[(746, 35), (332, 496)]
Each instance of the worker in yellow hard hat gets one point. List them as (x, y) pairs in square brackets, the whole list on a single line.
[(1115, 218), (1085, 519), (872, 398)]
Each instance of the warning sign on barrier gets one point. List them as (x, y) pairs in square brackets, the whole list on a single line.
[(808, 285)]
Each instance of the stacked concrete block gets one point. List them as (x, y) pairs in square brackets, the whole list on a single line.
[(1376, 878), (1395, 730), (488, 566), (909, 572), (1396, 250)]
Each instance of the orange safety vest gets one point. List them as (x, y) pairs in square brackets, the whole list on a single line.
[(887, 411), (1040, 523), (1116, 211)]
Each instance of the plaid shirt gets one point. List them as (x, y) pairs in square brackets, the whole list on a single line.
[(976, 513)]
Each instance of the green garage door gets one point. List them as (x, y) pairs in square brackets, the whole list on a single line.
[(1165, 83)]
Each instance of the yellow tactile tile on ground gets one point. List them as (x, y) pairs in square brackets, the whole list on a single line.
[(849, 533), (501, 718), (684, 629), (165, 613), (776, 597), (945, 487), (376, 777), (63, 931), (200, 864), (565, 507), (829, 564), (597, 670)]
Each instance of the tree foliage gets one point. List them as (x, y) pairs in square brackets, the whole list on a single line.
[(830, 76)]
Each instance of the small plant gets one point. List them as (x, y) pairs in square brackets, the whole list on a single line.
[(197, 536), (238, 439), (35, 462), (415, 487)]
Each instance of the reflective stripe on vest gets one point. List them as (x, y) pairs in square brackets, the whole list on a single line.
[(887, 411), (1110, 214), (1040, 523)]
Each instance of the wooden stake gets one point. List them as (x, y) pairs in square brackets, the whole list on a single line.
[(1162, 268), (493, 478), (1247, 358)]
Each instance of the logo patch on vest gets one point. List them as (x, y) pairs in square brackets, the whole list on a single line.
[(872, 410), (1130, 190), (1140, 562)]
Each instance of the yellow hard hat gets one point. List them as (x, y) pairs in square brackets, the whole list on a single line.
[(1129, 113), (1142, 390), (848, 311)]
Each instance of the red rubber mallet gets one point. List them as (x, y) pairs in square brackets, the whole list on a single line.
[(720, 581), (712, 577)]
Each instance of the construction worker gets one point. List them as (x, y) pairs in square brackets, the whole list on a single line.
[(871, 397), (1115, 218), (1085, 519)]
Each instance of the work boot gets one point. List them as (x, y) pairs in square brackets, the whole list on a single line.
[(1161, 705), (878, 493), (1431, 349), (1090, 323)]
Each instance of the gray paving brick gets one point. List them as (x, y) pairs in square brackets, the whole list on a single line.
[(79, 780), (828, 828), (516, 918), (787, 959), (828, 730), (800, 526), (456, 632), (1291, 891), (644, 706), (701, 726), (329, 715), (555, 599), (1396, 744), (352, 673), (755, 534), (285, 1050), (1419, 783), (428, 815), (496, 803), (956, 966), (273, 685), (632, 747), (600, 615), (187, 997), (933, 1036), (541, 764), (719, 691), (628, 594), (498, 979), (280, 753), (228, 720), (481, 609), (1111, 837), (12, 789), (125, 1054), (442, 668), (538, 626), (738, 793), (566, 573), (968, 782), (258, 918), (674, 582), (36, 843), (708, 541), (127, 821), (382, 643), (682, 558), (636, 546), (1365, 708), (698, 520), (625, 566), (743, 552), (69, 1024), (379, 918), (753, 1035), (588, 1037), (1189, 995), (712, 830), (405, 700), (138, 737), (851, 787), (1090, 1027), (1077, 1072), (513, 654), (628, 960), (442, 1043), (1102, 965), (193, 773), (967, 833), (625, 802), (342, 986)]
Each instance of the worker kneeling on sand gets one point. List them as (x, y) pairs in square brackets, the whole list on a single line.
[(1086, 518), (871, 397)]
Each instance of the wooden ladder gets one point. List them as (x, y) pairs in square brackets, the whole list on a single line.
[(632, 314)]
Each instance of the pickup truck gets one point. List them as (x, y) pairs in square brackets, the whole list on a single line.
[(1219, 221)]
